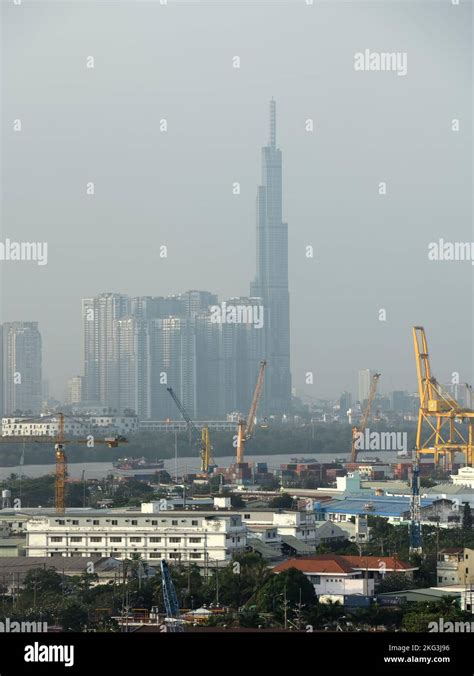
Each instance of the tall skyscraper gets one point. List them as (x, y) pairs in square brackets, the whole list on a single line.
[(365, 378), (22, 368), (271, 282)]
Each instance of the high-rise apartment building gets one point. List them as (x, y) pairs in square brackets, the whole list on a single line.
[(132, 349), (173, 364), (21, 368), (100, 347), (74, 390)]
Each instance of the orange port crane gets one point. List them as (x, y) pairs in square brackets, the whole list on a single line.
[(59, 452), (245, 427), (438, 430), (357, 431)]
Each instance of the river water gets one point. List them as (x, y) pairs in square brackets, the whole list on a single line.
[(99, 470)]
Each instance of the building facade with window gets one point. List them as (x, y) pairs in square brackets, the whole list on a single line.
[(204, 538), (455, 566)]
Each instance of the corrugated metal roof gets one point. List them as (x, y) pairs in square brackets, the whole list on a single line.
[(452, 489), (265, 550), (420, 594), (381, 506), (297, 545)]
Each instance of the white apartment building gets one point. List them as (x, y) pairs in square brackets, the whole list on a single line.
[(464, 477), (74, 426), (204, 538), (266, 534), (300, 525)]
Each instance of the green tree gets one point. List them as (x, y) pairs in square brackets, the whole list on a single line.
[(395, 582), (291, 587), (73, 615), (419, 615), (236, 501), (284, 501), (321, 615), (467, 517), (42, 582), (249, 617)]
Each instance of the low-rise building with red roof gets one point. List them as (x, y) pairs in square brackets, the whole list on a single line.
[(335, 576)]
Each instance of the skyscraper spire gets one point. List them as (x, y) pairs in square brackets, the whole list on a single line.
[(273, 123), (271, 280)]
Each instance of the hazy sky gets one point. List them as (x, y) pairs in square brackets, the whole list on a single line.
[(175, 62)]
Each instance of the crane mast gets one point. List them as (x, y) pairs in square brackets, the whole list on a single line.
[(61, 469), (206, 448), (173, 616), (245, 427), (415, 511), (358, 431)]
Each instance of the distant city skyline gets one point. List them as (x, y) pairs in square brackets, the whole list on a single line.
[(165, 130)]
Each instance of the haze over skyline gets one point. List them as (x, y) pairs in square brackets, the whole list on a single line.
[(175, 188)]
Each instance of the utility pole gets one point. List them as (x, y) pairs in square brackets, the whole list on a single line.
[(35, 583), (285, 608), (299, 613), (217, 583)]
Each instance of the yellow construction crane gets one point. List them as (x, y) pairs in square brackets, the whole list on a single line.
[(207, 461), (439, 415), (60, 455), (245, 427), (357, 431)]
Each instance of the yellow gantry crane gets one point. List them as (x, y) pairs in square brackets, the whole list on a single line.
[(60, 455), (439, 415), (358, 430), (245, 427)]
